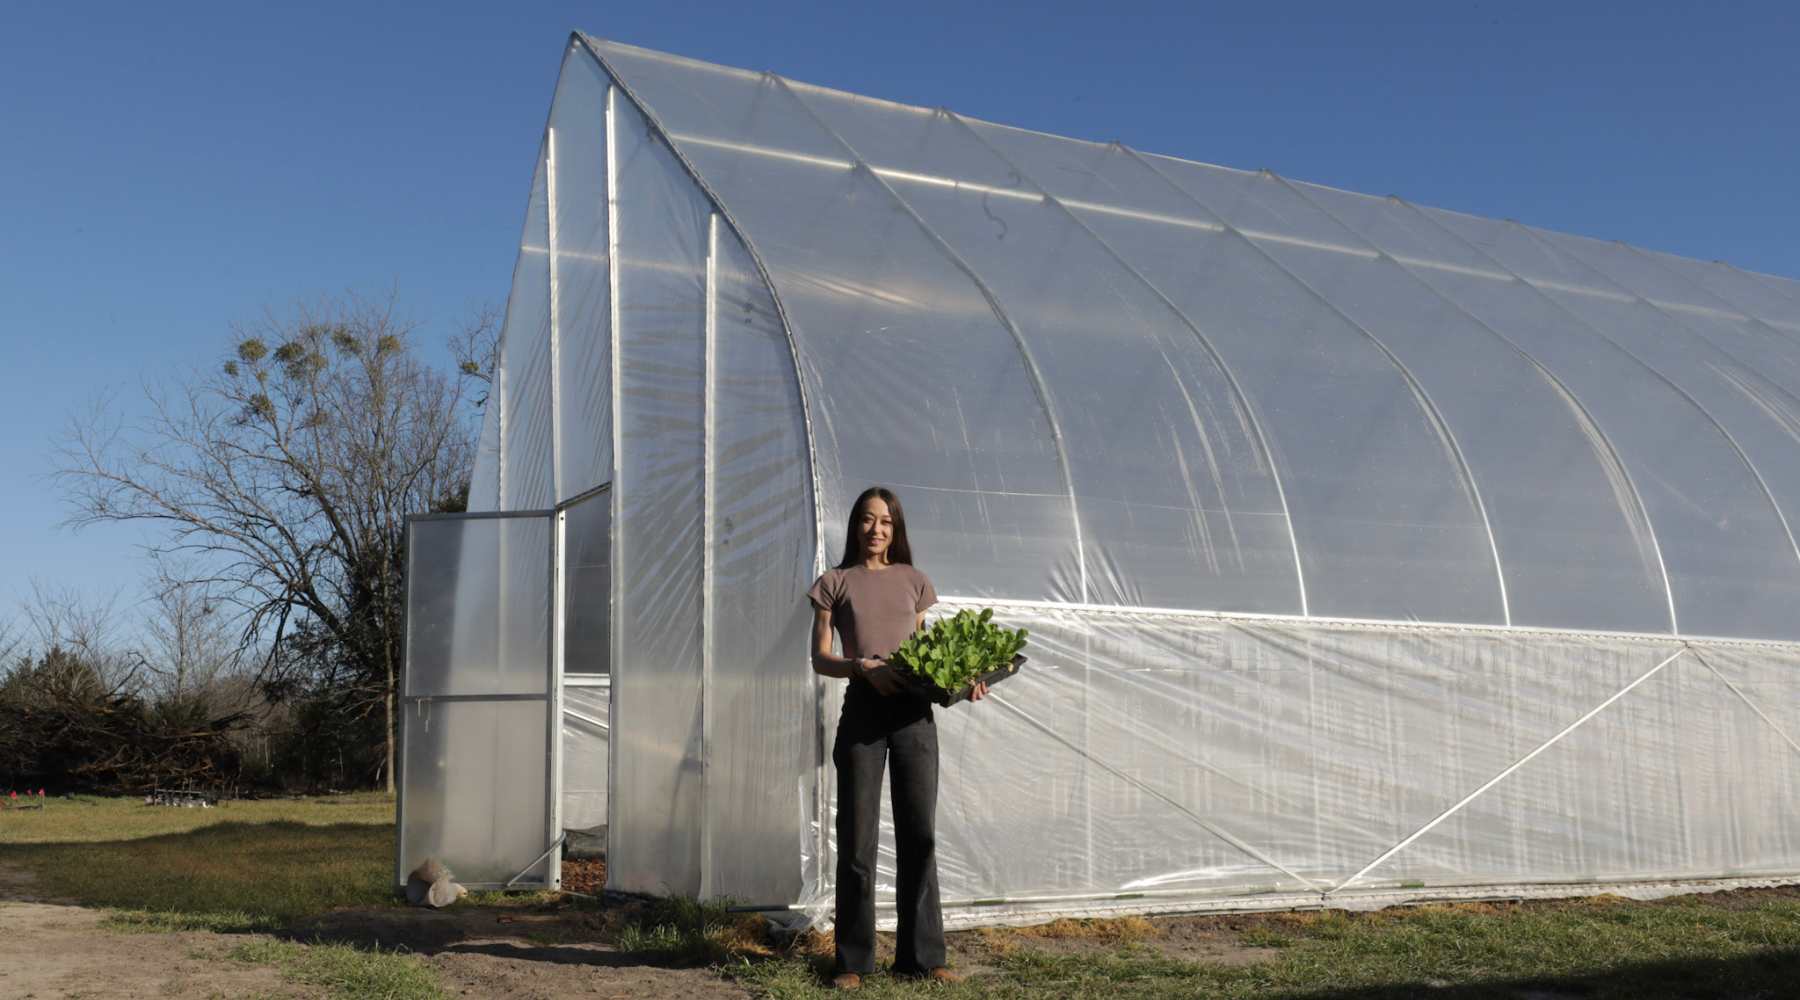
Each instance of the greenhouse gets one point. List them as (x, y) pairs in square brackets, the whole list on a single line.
[(1369, 551)]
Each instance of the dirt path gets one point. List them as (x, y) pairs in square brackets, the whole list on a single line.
[(56, 950), (517, 954)]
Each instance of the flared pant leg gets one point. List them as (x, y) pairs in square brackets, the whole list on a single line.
[(861, 759), (919, 930)]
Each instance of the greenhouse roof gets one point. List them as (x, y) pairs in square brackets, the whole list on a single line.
[(1105, 377)]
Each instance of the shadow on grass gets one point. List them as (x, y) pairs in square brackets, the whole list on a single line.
[(572, 955), (333, 883), (223, 876), (1762, 976), (664, 933)]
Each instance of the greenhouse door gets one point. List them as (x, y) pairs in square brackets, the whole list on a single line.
[(480, 700)]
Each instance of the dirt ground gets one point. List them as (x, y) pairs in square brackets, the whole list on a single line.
[(517, 954), (52, 949), (49, 950)]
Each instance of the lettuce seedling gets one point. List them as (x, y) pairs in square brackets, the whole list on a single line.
[(955, 652)]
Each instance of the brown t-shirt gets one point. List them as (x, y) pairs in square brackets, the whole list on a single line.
[(873, 610)]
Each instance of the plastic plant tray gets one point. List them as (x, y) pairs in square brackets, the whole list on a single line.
[(990, 678)]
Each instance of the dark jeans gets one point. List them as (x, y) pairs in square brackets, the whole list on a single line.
[(865, 743)]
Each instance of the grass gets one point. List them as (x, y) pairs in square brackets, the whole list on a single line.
[(685, 932), (343, 970), (243, 866), (1605, 948), (93, 818)]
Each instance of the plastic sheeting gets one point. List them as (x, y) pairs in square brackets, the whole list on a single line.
[(661, 241), (1209, 756), (580, 278), (761, 712), (584, 747), (1335, 406), (522, 382), (1365, 547)]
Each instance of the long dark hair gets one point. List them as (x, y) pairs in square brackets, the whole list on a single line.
[(899, 550)]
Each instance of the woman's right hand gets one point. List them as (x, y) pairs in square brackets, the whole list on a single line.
[(880, 676)]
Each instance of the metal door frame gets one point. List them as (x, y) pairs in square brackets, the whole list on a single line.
[(552, 698)]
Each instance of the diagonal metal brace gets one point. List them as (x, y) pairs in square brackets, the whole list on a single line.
[(1496, 779), (1203, 823)]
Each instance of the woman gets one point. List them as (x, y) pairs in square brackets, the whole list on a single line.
[(876, 599)]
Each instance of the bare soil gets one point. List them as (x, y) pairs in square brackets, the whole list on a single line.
[(518, 954), (57, 950), (54, 949), (1190, 939)]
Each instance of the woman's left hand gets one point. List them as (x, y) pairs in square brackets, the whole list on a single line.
[(979, 693)]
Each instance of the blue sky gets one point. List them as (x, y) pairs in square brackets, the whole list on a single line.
[(165, 172)]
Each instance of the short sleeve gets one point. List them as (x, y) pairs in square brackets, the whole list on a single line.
[(927, 594), (826, 592)]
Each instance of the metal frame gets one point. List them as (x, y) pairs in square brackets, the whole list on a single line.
[(555, 341), (616, 650), (551, 698), (1452, 628), (708, 476), (553, 726)]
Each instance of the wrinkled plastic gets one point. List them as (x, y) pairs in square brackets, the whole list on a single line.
[(584, 747)]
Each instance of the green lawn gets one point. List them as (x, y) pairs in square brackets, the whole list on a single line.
[(267, 866), (244, 865), (1689, 948)]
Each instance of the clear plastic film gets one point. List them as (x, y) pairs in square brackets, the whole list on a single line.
[(1191, 516), (484, 478), (1733, 567), (760, 700), (1147, 753), (654, 834), (585, 736), (873, 304), (522, 382), (1385, 522), (578, 257)]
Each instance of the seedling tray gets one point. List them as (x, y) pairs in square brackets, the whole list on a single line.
[(990, 678)]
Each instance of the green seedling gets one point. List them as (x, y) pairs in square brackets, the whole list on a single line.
[(955, 651)]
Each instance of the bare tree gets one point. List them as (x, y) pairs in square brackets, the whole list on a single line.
[(476, 348), (287, 473), (190, 642), (86, 626), (12, 644)]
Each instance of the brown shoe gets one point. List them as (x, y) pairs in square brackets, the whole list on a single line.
[(943, 975), (846, 981)]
